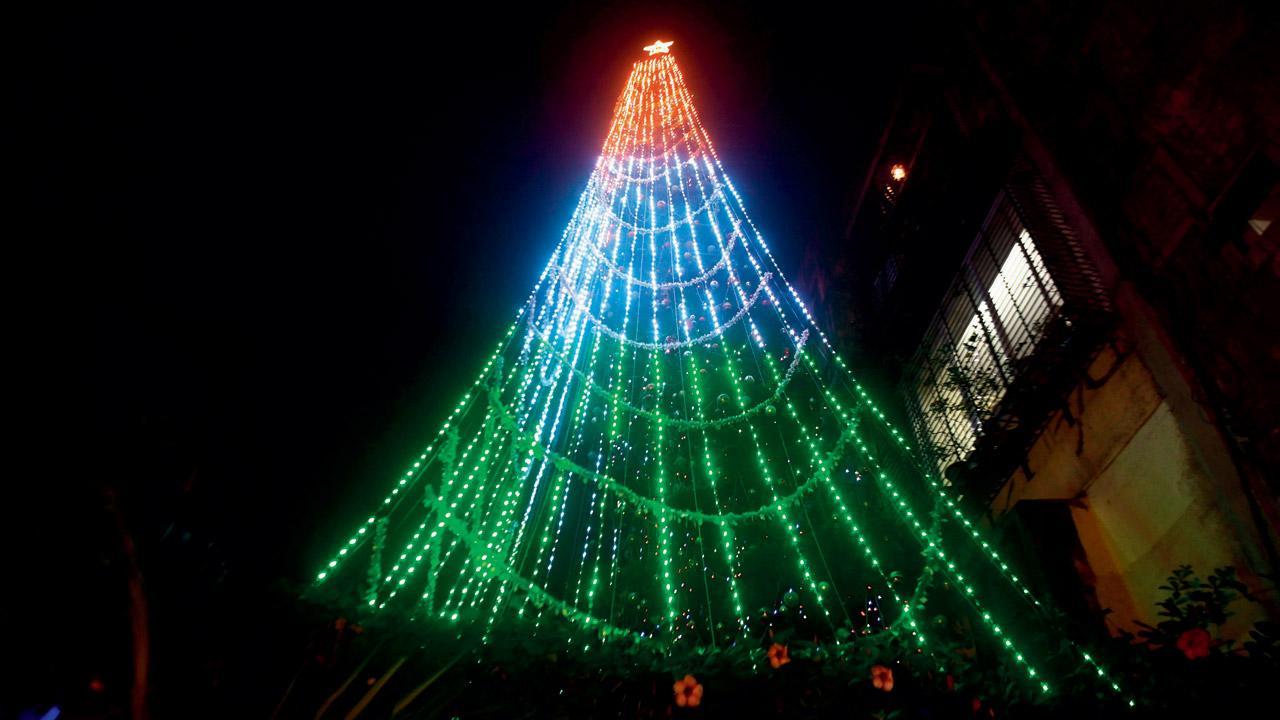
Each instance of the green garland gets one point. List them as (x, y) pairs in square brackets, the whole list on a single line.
[(647, 505), (681, 423), (375, 559), (538, 595)]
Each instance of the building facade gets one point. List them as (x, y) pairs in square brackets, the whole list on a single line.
[(1063, 255)]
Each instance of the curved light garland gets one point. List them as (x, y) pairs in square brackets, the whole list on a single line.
[(650, 506), (683, 424), (670, 227), (668, 345), (699, 279)]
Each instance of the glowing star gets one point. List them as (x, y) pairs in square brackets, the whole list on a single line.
[(659, 47)]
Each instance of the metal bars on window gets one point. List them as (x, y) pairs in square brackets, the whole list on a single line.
[(994, 315)]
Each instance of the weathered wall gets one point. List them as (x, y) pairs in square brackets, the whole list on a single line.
[(1147, 497)]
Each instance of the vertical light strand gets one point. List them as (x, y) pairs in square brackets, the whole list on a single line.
[(682, 321), (693, 372), (732, 375), (666, 581)]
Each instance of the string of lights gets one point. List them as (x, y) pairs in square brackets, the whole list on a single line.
[(658, 376)]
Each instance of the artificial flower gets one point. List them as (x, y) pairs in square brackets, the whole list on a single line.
[(688, 692), (882, 678), (778, 655)]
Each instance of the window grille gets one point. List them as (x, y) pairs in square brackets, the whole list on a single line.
[(994, 315)]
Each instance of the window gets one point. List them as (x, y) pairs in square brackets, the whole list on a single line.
[(994, 316)]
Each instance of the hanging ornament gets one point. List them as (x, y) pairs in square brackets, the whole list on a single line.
[(790, 599)]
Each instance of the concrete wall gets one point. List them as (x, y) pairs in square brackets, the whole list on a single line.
[(1149, 495)]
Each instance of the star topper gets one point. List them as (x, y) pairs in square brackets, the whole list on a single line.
[(659, 47)]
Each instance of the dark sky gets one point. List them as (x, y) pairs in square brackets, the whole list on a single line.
[(261, 250)]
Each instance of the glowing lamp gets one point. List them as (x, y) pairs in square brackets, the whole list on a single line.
[(898, 172)]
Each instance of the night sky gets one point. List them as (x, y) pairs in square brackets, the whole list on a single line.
[(257, 253)]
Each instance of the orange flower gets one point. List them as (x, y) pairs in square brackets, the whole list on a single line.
[(882, 677), (778, 655), (1194, 643), (688, 692)]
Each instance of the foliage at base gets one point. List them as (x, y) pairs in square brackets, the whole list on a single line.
[(389, 667)]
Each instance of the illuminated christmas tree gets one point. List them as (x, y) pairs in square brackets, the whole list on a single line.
[(665, 449)]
